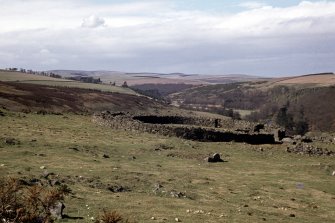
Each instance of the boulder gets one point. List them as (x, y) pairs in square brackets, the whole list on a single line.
[(117, 189), (287, 140), (57, 210), (215, 158), (177, 194), (11, 141), (105, 156)]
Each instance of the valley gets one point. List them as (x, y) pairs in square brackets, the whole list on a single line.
[(49, 137)]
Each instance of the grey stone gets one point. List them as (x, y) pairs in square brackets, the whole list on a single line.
[(287, 140), (57, 210), (105, 156), (177, 194), (216, 158), (11, 141)]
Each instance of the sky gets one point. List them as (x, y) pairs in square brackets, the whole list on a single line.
[(264, 38)]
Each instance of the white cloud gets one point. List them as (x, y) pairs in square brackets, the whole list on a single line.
[(156, 36), (93, 22), (252, 5)]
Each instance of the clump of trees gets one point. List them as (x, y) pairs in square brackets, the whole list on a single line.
[(125, 84), (294, 122), (217, 110), (28, 71), (86, 79), (292, 118)]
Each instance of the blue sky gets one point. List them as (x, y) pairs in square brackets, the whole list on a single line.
[(226, 5), (268, 38), (210, 5)]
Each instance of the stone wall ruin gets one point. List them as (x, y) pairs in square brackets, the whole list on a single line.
[(191, 128)]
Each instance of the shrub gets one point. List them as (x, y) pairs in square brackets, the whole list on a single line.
[(19, 203), (111, 217)]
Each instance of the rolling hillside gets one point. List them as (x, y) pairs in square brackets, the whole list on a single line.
[(10, 76), (28, 97), (36, 93), (323, 79), (141, 78), (312, 95)]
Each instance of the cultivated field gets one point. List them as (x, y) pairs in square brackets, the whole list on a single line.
[(151, 178)]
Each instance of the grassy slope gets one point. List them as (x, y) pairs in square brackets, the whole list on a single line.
[(325, 79), (7, 76), (251, 186)]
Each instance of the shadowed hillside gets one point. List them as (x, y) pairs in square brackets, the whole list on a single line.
[(31, 97), (306, 98)]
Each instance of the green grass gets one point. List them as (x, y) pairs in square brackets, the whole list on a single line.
[(7, 76), (251, 186)]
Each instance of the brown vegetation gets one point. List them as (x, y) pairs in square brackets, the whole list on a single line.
[(110, 217), (20, 203), (30, 97), (322, 79), (315, 102)]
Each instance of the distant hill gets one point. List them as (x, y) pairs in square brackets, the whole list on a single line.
[(321, 79), (18, 77), (140, 78), (310, 96)]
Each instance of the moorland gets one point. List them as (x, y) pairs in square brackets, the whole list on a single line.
[(49, 138)]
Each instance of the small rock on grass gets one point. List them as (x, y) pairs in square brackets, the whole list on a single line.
[(105, 156), (177, 220)]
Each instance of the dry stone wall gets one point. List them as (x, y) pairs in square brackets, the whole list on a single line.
[(192, 128)]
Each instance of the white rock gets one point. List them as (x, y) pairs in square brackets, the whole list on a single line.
[(177, 220), (333, 174), (42, 167), (188, 211), (2, 164), (153, 218)]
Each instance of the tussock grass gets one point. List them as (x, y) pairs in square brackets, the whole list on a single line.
[(252, 186)]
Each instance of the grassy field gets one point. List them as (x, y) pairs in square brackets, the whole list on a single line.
[(7, 76), (254, 185)]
